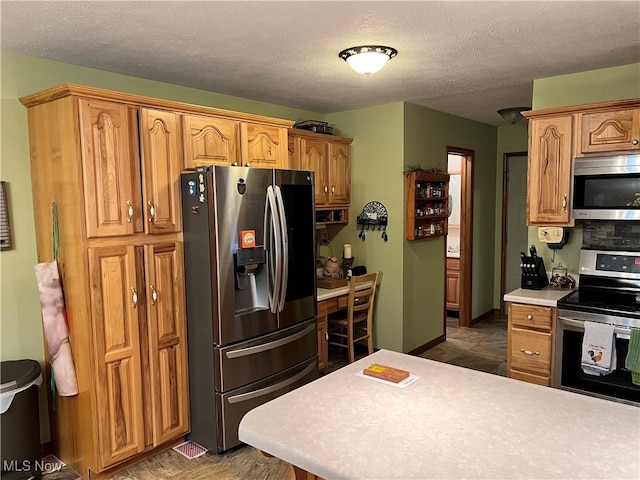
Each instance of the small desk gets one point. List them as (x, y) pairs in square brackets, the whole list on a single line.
[(453, 422), (329, 301)]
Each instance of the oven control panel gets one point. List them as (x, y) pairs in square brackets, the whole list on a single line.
[(610, 264)]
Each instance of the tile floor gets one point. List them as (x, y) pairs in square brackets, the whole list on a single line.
[(482, 347)]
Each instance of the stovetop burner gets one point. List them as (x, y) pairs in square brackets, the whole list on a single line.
[(609, 284)]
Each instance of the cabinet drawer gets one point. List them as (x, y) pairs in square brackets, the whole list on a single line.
[(343, 302), (329, 306), (530, 352), (530, 378), (530, 316)]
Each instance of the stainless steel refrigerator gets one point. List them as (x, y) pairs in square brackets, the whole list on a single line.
[(249, 236)]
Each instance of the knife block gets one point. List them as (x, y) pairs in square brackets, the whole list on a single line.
[(534, 273)]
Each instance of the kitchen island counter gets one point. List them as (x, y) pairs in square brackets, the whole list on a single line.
[(451, 423)]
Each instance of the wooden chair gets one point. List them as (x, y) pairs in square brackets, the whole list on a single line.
[(357, 323)]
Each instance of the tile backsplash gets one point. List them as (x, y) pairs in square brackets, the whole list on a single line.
[(612, 235)]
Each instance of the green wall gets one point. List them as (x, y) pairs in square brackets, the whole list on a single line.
[(411, 303), (615, 83), (377, 155), (20, 321)]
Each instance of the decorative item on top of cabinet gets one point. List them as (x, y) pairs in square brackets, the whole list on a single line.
[(329, 157), (427, 204), (529, 339), (549, 170)]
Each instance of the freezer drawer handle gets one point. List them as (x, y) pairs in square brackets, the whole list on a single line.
[(243, 352), (243, 397)]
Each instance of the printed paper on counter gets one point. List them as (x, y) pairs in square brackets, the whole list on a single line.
[(402, 384)]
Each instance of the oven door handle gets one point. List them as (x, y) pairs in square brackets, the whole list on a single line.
[(620, 332)]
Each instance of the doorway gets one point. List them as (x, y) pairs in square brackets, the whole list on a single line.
[(514, 221), (461, 233)]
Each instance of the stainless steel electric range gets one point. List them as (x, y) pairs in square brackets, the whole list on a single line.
[(609, 292)]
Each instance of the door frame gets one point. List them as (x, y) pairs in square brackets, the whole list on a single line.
[(466, 235), (505, 188)]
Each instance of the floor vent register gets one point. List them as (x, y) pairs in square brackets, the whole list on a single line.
[(190, 450)]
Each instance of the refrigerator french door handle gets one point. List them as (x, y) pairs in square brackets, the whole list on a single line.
[(285, 248), (274, 262)]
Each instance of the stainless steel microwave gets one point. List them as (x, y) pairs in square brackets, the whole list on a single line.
[(606, 188)]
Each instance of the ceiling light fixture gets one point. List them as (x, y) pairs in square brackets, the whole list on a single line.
[(513, 115), (367, 59)]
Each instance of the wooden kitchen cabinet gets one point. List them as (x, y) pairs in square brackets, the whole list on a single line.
[(221, 141), (111, 162), (609, 131), (138, 321), (531, 329), (121, 201), (329, 157), (549, 171), (453, 284), (427, 205)]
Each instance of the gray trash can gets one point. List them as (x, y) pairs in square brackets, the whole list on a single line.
[(20, 419)]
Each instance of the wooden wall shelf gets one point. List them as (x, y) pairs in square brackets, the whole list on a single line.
[(427, 205)]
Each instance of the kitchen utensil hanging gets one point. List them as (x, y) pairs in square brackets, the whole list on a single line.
[(374, 216)]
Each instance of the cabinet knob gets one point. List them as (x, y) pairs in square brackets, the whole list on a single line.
[(564, 202), (154, 295), (152, 211), (333, 189), (325, 189), (248, 164), (326, 335), (234, 164), (134, 297), (529, 352), (129, 211), (529, 317), (635, 141)]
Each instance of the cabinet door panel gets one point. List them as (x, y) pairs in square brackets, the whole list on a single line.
[(549, 184), (611, 131), (263, 146), (161, 168), (453, 290), (111, 199), (339, 174), (209, 141), (313, 157), (167, 341), (115, 321)]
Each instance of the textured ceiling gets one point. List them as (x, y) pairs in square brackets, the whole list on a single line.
[(465, 58)]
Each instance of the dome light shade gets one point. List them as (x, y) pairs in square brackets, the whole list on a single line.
[(367, 59), (513, 115)]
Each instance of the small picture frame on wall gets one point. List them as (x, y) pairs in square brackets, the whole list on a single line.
[(5, 231)]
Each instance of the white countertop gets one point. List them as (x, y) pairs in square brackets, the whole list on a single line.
[(547, 296), (451, 423)]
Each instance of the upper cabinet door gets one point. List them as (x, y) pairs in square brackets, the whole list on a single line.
[(117, 303), (210, 141), (339, 174), (112, 201), (167, 341), (313, 157), (263, 145), (161, 166), (613, 131), (549, 183)]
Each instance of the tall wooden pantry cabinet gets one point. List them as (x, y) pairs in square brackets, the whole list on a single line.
[(111, 163)]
